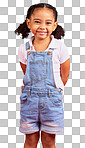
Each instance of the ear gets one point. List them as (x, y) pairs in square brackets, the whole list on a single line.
[(55, 25), (28, 23)]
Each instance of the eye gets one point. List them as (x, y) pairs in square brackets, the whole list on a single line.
[(48, 23), (37, 22)]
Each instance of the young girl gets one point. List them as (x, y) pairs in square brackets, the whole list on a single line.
[(45, 62)]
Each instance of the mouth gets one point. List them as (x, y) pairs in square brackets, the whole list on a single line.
[(41, 32)]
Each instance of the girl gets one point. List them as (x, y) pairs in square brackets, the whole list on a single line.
[(45, 62)]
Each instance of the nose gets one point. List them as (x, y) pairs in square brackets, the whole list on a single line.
[(42, 27)]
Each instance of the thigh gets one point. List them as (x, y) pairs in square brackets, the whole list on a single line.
[(47, 138), (32, 138)]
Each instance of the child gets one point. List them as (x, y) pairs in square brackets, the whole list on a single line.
[(45, 62)]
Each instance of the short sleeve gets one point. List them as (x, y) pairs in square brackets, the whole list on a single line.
[(64, 54), (22, 54)]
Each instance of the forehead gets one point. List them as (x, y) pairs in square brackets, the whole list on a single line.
[(43, 13)]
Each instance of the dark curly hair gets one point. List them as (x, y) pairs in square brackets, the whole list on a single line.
[(24, 30)]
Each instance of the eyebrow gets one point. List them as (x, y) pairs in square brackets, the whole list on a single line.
[(40, 20)]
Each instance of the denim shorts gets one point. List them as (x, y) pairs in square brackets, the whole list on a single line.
[(41, 109)]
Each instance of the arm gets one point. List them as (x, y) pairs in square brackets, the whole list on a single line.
[(64, 71), (23, 66)]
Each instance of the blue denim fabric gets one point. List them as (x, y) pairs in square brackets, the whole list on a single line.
[(41, 102)]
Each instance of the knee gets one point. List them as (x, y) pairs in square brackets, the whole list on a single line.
[(47, 139), (32, 139)]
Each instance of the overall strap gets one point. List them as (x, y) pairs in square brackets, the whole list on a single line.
[(27, 46)]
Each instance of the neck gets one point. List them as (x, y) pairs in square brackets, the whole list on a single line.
[(38, 42), (41, 45)]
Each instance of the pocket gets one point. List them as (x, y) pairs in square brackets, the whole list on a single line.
[(57, 98), (24, 96), (38, 70)]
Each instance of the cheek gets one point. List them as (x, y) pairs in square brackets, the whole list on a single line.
[(50, 29), (33, 30), (34, 27)]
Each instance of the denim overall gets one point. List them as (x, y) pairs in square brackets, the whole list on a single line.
[(41, 102)]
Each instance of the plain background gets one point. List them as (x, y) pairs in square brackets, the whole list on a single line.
[(72, 18)]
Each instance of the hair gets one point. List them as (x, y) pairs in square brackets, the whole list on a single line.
[(24, 30)]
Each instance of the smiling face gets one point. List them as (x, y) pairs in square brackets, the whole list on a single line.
[(42, 23)]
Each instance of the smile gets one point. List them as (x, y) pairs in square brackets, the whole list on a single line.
[(42, 33)]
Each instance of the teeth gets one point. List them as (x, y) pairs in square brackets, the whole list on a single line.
[(41, 32)]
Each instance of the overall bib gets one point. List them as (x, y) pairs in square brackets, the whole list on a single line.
[(41, 102)]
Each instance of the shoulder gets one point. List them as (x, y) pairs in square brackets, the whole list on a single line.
[(22, 53), (61, 51), (59, 44), (22, 47), (60, 47)]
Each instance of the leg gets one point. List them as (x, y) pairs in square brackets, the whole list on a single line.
[(31, 140), (48, 140)]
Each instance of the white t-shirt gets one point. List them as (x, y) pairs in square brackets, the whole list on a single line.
[(60, 55)]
